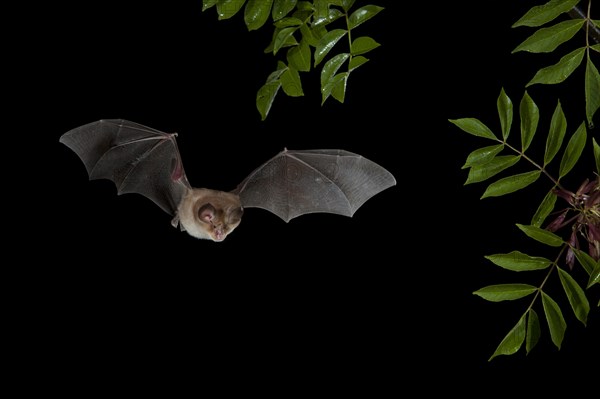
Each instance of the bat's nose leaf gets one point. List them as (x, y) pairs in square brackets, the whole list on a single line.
[(294, 183)]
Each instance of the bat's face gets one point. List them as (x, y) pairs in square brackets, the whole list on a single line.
[(218, 221), (210, 214)]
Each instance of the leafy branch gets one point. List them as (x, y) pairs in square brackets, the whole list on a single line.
[(307, 31), (580, 217), (547, 39)]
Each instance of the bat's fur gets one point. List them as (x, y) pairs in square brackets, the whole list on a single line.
[(209, 214)]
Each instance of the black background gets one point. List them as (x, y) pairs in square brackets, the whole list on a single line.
[(325, 304)]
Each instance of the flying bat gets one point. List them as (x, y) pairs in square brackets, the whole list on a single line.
[(139, 159)]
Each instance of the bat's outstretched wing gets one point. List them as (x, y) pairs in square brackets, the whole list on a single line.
[(138, 159), (294, 183)]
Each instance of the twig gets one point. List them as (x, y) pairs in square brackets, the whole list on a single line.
[(594, 32)]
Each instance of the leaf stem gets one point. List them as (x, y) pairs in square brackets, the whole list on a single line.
[(590, 29), (349, 39), (522, 154), (554, 265)]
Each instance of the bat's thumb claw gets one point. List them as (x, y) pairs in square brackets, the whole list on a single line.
[(175, 222)]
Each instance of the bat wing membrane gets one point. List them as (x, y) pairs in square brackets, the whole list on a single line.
[(294, 183), (138, 159)]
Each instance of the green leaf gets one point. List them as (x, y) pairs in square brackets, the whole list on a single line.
[(326, 43), (475, 127), (290, 82), (556, 321), (299, 56), (265, 96), (256, 13), (281, 8), (510, 184), (324, 14), (505, 112), (482, 155), (338, 91), (541, 235), (481, 172), (596, 47), (560, 71), (331, 67), (328, 79), (228, 8), (288, 42), (321, 12), (305, 6), (573, 151), (276, 74), (505, 292), (530, 116), (512, 341), (334, 14), (546, 206), (355, 62), (592, 90), (319, 31), (558, 128), (539, 15), (585, 260), (533, 330), (518, 261), (363, 14), (362, 45), (336, 87), (596, 155), (347, 4), (288, 21), (576, 295), (284, 38), (546, 40), (206, 4), (310, 35), (594, 276)]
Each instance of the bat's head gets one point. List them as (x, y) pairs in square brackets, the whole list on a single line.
[(217, 221), (210, 214)]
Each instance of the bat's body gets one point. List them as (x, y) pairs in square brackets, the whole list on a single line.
[(209, 214), (139, 159)]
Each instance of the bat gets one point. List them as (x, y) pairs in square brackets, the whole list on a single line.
[(139, 159)]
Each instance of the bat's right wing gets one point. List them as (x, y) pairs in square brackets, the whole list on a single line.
[(138, 159)]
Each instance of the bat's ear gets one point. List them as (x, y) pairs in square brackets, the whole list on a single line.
[(206, 213)]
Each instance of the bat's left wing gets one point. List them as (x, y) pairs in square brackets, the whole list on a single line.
[(295, 183)]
